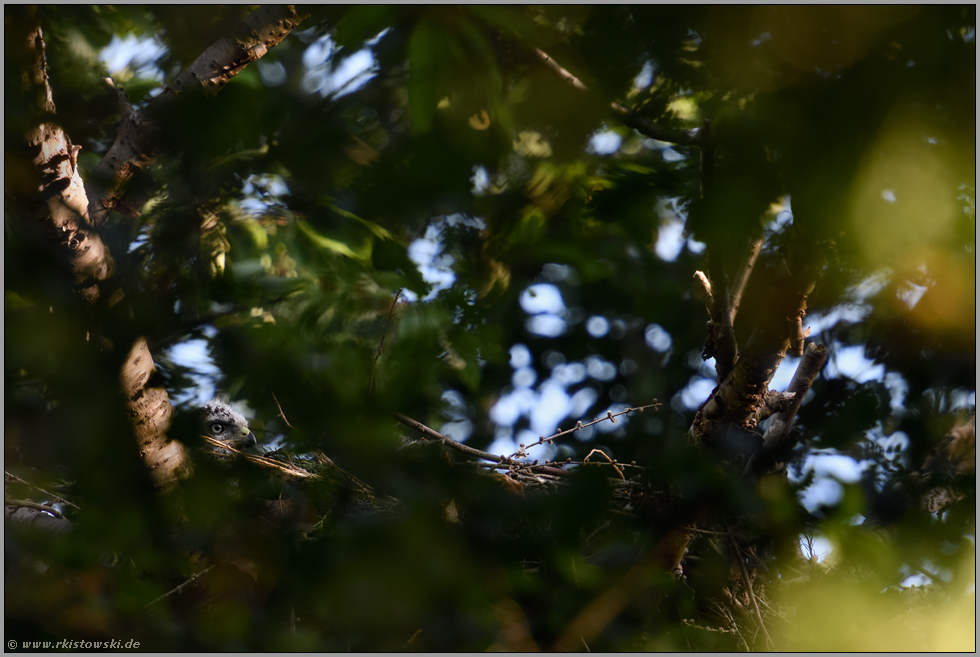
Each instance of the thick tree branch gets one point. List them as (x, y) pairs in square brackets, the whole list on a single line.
[(774, 402), (150, 413), (64, 231), (139, 141), (741, 394), (775, 437), (71, 229)]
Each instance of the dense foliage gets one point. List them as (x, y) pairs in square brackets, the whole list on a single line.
[(435, 213)]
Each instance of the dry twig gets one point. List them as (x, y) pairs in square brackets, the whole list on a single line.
[(522, 451), (281, 414), (748, 586), (614, 464), (57, 498)]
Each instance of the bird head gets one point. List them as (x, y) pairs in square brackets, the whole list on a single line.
[(224, 423)]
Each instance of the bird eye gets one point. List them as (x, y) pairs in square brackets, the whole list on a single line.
[(217, 427)]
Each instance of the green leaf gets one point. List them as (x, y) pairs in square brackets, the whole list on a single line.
[(379, 231), (360, 253)]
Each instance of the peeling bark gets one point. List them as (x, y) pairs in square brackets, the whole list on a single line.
[(140, 141), (150, 413), (90, 262), (61, 223)]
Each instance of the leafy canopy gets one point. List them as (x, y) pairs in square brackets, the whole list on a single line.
[(543, 251)]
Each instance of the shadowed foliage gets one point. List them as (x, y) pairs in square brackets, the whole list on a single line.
[(451, 263)]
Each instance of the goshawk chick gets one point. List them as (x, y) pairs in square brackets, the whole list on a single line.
[(224, 423)]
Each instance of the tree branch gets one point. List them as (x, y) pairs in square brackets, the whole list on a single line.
[(150, 414), (139, 142), (806, 373), (645, 126), (742, 277), (497, 460), (742, 393), (774, 402), (30, 504), (720, 343), (51, 495), (690, 137), (458, 446), (67, 232)]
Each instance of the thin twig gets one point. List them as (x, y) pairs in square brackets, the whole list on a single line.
[(647, 127), (748, 586), (561, 71), (466, 449), (691, 137), (501, 462), (522, 448), (260, 460), (691, 623), (384, 334), (496, 461), (742, 277), (281, 414), (27, 483), (614, 464), (179, 587)]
